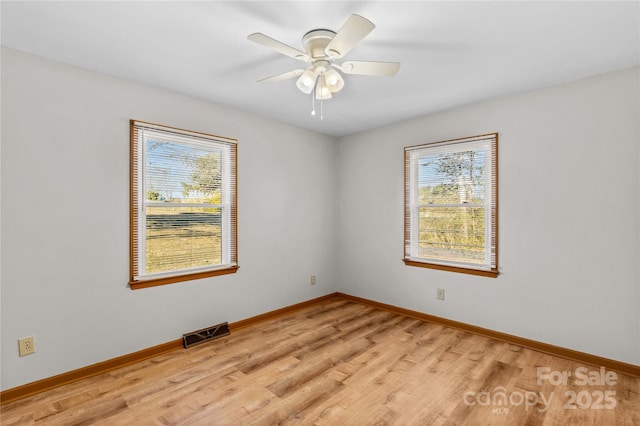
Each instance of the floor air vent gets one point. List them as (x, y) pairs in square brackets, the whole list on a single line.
[(206, 334)]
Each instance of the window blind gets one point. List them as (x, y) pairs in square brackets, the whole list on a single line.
[(451, 203), (183, 202)]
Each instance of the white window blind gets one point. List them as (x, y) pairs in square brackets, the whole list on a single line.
[(451, 204), (183, 206)]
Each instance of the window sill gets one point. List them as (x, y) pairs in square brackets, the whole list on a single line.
[(480, 272), (136, 285)]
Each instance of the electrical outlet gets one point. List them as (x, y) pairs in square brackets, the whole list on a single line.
[(26, 346), (440, 294), (313, 280)]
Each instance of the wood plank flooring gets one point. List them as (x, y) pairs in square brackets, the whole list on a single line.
[(341, 363)]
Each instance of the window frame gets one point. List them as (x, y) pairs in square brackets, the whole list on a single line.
[(412, 209), (138, 278)]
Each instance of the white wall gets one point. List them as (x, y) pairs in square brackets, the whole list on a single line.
[(569, 235), (65, 219), (568, 217)]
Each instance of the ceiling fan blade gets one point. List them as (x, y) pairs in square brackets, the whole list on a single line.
[(278, 46), (386, 69), (281, 77), (352, 32)]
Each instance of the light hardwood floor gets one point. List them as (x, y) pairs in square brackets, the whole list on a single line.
[(341, 363)]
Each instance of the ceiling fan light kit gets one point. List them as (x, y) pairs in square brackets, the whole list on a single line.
[(322, 48)]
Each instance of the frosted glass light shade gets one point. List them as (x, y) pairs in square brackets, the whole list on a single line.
[(322, 90), (334, 80), (307, 81)]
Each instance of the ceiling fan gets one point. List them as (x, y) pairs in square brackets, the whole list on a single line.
[(323, 49)]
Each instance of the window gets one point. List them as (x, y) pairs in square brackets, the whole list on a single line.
[(183, 205), (451, 205)]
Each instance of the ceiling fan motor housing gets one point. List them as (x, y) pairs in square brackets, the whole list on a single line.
[(316, 41)]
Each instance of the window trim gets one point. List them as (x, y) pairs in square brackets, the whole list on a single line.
[(492, 272), (134, 200)]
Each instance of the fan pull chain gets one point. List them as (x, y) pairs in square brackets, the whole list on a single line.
[(313, 102), (321, 109)]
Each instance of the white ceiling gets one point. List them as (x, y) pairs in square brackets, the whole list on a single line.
[(452, 53)]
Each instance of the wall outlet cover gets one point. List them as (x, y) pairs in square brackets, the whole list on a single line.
[(26, 346)]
